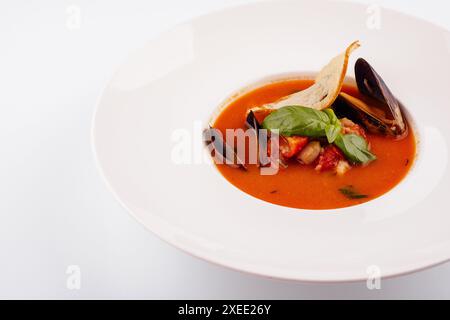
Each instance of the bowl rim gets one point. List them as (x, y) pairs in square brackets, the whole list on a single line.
[(389, 274)]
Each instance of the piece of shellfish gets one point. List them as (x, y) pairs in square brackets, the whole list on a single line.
[(379, 111)]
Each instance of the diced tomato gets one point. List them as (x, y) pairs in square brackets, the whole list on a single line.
[(290, 146), (330, 158)]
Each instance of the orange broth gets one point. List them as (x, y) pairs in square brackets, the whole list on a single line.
[(300, 186)]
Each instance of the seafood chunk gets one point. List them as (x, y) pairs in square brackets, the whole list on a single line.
[(310, 153), (290, 146), (379, 111), (342, 167), (348, 127)]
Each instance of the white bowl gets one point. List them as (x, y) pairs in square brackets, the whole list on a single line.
[(175, 83)]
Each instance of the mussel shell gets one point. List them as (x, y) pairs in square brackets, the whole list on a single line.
[(252, 123), (223, 153), (370, 84), (362, 112)]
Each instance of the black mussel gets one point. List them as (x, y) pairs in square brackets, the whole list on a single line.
[(379, 111), (220, 150), (252, 123), (263, 157), (364, 112)]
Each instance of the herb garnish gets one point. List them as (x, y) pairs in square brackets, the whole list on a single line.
[(354, 147), (308, 122), (303, 121), (351, 193)]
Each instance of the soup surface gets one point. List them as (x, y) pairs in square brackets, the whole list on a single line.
[(300, 186)]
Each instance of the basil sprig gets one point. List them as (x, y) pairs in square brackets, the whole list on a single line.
[(332, 129), (351, 193), (308, 122), (355, 148), (303, 121)]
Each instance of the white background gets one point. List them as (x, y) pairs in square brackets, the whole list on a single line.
[(55, 210)]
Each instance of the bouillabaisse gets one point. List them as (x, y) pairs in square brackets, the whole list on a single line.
[(301, 185), (338, 145)]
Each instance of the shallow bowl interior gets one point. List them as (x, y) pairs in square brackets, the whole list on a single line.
[(169, 89)]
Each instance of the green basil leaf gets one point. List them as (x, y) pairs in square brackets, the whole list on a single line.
[(355, 148), (298, 120), (333, 119), (351, 193), (334, 128), (332, 131)]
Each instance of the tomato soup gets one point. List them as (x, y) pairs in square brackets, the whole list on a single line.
[(301, 186)]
